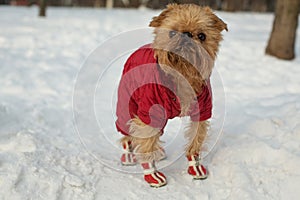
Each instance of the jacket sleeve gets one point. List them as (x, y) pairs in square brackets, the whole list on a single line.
[(202, 109)]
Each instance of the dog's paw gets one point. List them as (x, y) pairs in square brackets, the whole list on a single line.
[(196, 169), (128, 159), (156, 179), (198, 172), (153, 177)]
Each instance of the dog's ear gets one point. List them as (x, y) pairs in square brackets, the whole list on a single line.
[(157, 21), (217, 22)]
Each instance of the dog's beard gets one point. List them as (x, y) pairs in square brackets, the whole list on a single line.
[(185, 59)]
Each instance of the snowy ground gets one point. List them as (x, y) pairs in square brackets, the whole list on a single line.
[(41, 156)]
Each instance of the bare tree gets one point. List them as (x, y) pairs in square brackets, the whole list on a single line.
[(282, 40), (232, 5), (109, 3), (97, 3), (258, 5), (43, 5)]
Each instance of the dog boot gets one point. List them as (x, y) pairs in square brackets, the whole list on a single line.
[(195, 169), (153, 177), (128, 158)]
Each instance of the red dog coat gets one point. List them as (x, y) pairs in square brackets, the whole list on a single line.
[(147, 92)]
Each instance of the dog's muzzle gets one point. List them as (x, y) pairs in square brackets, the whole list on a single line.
[(186, 39)]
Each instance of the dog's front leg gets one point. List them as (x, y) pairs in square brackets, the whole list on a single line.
[(196, 135), (146, 141)]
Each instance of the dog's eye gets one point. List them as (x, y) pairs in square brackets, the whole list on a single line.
[(201, 36), (172, 34)]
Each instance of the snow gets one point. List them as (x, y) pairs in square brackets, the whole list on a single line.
[(48, 150)]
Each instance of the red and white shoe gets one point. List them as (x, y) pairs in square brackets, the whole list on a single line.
[(128, 158), (195, 169), (153, 177)]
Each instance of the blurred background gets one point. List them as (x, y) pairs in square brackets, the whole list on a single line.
[(225, 5)]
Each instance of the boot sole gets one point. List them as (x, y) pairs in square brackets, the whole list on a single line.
[(200, 177), (128, 164), (157, 185)]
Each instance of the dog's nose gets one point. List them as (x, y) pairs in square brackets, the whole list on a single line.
[(187, 34)]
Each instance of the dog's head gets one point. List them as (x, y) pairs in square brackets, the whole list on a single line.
[(184, 25), (188, 32)]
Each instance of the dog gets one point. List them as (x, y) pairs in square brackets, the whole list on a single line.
[(166, 79)]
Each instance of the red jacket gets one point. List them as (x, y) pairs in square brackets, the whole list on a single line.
[(147, 92)]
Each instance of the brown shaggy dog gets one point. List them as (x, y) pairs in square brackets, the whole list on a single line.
[(186, 43)]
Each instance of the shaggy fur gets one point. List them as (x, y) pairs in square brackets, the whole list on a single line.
[(192, 18), (196, 135), (144, 140), (189, 62)]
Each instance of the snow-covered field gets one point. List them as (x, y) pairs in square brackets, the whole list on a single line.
[(42, 157)]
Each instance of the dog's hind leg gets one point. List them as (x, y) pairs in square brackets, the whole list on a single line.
[(128, 158), (148, 150), (196, 135)]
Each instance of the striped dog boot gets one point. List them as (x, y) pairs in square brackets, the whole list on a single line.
[(153, 177), (128, 158), (195, 169)]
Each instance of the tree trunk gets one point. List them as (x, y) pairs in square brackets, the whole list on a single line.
[(232, 5), (156, 4), (43, 5), (259, 5), (270, 5), (282, 40), (135, 3), (97, 3), (109, 4)]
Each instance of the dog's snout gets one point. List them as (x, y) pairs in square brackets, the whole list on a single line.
[(186, 38), (187, 34)]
